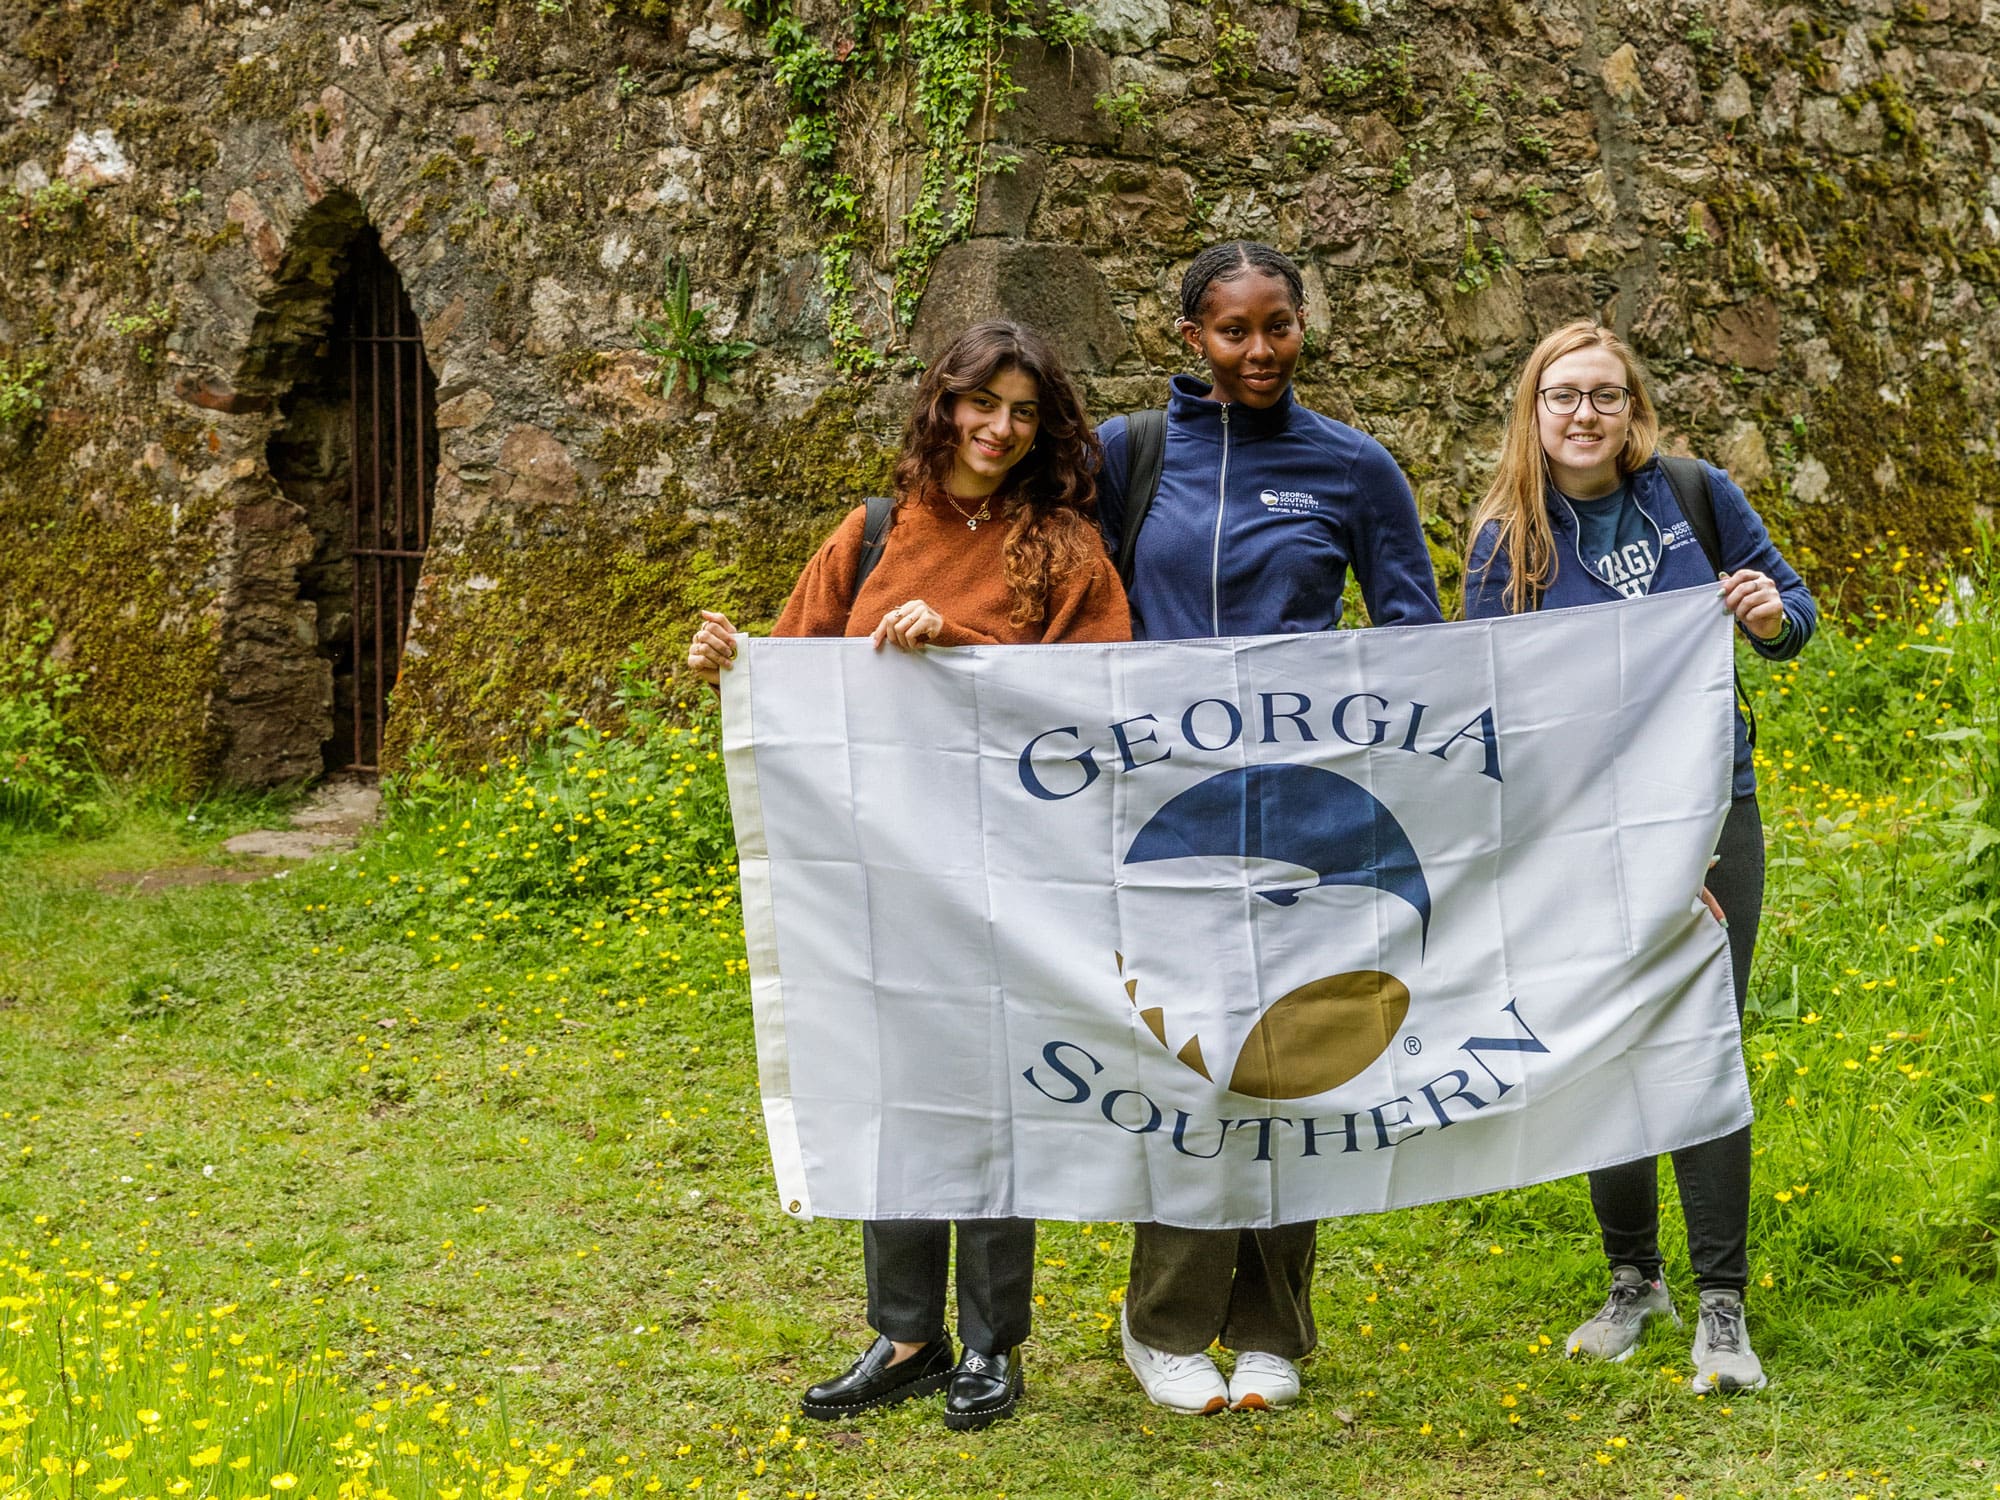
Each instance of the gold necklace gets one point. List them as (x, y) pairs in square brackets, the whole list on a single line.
[(971, 518)]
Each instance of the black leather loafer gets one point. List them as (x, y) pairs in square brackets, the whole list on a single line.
[(983, 1390), (872, 1381)]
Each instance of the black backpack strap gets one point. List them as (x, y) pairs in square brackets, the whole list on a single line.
[(1690, 487), (1145, 455), (874, 537)]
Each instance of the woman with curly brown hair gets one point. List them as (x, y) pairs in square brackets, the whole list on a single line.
[(993, 541)]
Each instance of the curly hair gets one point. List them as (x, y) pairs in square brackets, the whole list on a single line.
[(1049, 498)]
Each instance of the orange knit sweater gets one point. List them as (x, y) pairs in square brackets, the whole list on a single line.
[(931, 555)]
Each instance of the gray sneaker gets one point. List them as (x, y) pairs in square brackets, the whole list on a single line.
[(1614, 1332), (1723, 1358)]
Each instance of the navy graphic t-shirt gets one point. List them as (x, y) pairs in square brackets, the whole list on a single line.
[(1616, 541)]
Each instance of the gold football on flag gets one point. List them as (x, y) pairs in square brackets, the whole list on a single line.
[(1320, 1035)]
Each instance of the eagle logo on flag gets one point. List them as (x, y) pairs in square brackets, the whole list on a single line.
[(1325, 1030)]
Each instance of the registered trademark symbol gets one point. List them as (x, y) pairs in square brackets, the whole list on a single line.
[(1412, 1046)]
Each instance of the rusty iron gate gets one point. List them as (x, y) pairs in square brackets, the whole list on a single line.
[(393, 434)]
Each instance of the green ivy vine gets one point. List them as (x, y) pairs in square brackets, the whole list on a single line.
[(947, 60)]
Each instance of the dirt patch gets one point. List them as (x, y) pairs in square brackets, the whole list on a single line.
[(345, 803), (146, 882), (339, 811), (287, 843)]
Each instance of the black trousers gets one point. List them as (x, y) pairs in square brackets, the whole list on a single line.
[(907, 1261), (1714, 1176), (1242, 1288)]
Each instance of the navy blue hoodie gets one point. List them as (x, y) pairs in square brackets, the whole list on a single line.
[(1259, 515), (1682, 565)]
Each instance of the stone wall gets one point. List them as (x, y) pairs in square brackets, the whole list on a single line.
[(1791, 210)]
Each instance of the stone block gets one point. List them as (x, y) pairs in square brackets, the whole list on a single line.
[(1277, 31), (1487, 317), (1054, 287), (1337, 215), (1620, 72), (1957, 72), (1675, 85), (1732, 100), (1129, 25), (1810, 481), (465, 411), (1745, 335), (93, 158), (1779, 114), (1555, 300), (1110, 205), (1828, 122), (1007, 199), (247, 214), (1427, 215), (1744, 454), (534, 468), (1380, 141), (1060, 105)]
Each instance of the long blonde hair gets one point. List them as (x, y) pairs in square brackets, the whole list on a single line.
[(1517, 499)]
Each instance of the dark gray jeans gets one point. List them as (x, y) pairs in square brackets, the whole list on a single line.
[(907, 1261), (1714, 1176)]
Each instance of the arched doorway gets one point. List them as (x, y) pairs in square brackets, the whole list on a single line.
[(393, 426), (358, 454)]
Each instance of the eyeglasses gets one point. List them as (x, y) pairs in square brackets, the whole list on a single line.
[(1564, 399)]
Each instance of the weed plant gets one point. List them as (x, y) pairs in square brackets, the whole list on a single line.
[(45, 777), (171, 1400), (689, 354), (596, 837)]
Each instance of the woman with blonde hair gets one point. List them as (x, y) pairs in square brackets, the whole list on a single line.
[(1582, 509)]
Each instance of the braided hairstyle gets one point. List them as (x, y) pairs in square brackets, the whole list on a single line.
[(1229, 260)]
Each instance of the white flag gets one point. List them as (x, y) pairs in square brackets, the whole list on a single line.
[(1236, 932)]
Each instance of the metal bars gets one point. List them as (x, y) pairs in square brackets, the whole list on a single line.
[(392, 435)]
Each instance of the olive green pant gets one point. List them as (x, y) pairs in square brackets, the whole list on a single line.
[(1246, 1289)]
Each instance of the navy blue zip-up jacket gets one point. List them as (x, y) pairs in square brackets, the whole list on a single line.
[(1259, 515), (1682, 565)]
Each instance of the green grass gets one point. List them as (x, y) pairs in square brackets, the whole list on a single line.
[(448, 1128)]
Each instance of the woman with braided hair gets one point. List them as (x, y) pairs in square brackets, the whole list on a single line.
[(1259, 510)]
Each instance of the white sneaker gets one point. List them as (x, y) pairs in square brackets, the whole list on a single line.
[(1179, 1382), (1614, 1332), (1262, 1381), (1723, 1358)]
